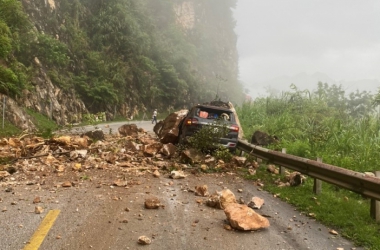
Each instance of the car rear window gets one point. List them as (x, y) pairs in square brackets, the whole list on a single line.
[(206, 113)]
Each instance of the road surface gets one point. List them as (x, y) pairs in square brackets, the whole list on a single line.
[(96, 214)]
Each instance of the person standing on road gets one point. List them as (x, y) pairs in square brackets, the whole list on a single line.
[(154, 117)]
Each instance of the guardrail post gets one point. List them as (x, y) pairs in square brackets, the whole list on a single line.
[(3, 111), (282, 169), (317, 188), (241, 153), (375, 204)]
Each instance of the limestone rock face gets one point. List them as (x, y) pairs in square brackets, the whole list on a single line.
[(242, 217), (185, 14), (61, 106)]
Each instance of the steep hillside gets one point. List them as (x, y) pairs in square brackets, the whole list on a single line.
[(123, 57)]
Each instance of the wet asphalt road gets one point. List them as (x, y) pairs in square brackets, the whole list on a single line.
[(94, 214)]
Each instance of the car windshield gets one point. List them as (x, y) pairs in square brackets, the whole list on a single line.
[(207, 113)]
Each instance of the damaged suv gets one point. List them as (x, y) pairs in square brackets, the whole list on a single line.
[(220, 118)]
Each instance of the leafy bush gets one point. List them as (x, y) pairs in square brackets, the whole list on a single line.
[(206, 139), (223, 153)]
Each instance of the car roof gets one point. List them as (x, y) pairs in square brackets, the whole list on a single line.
[(212, 107)]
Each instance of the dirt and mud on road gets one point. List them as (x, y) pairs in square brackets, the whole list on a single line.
[(101, 189)]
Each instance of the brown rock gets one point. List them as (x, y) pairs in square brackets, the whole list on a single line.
[(120, 183), (63, 140), (242, 217), (168, 149), (158, 127), (252, 171), (66, 184), (128, 129), (3, 174), (256, 203), (240, 161), (177, 174), (132, 146), (152, 149), (59, 168), (14, 142), (144, 240), (147, 140), (38, 210), (77, 167), (162, 164), (37, 200), (168, 131), (333, 232), (263, 139), (156, 173), (191, 156), (227, 197), (96, 135), (272, 169), (152, 203), (295, 179), (221, 199), (201, 191)]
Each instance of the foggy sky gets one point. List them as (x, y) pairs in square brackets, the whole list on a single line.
[(340, 38)]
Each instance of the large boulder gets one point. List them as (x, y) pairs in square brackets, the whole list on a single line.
[(263, 139), (168, 130), (242, 217)]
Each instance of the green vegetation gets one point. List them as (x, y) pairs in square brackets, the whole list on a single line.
[(205, 140), (44, 125), (120, 53), (339, 209), (9, 129), (340, 128)]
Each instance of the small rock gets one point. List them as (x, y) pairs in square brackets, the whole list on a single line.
[(333, 232), (144, 240), (120, 183), (156, 173), (201, 191), (37, 200), (256, 203), (177, 174), (67, 184), (152, 203), (38, 210)]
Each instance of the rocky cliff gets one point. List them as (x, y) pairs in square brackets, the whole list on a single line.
[(118, 56)]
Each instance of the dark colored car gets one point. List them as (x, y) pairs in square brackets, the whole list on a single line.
[(201, 115)]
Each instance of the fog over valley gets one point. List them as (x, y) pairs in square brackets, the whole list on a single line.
[(304, 42)]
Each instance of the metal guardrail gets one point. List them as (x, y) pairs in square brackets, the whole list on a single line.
[(354, 181)]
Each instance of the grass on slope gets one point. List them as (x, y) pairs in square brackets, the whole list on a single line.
[(344, 211)]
